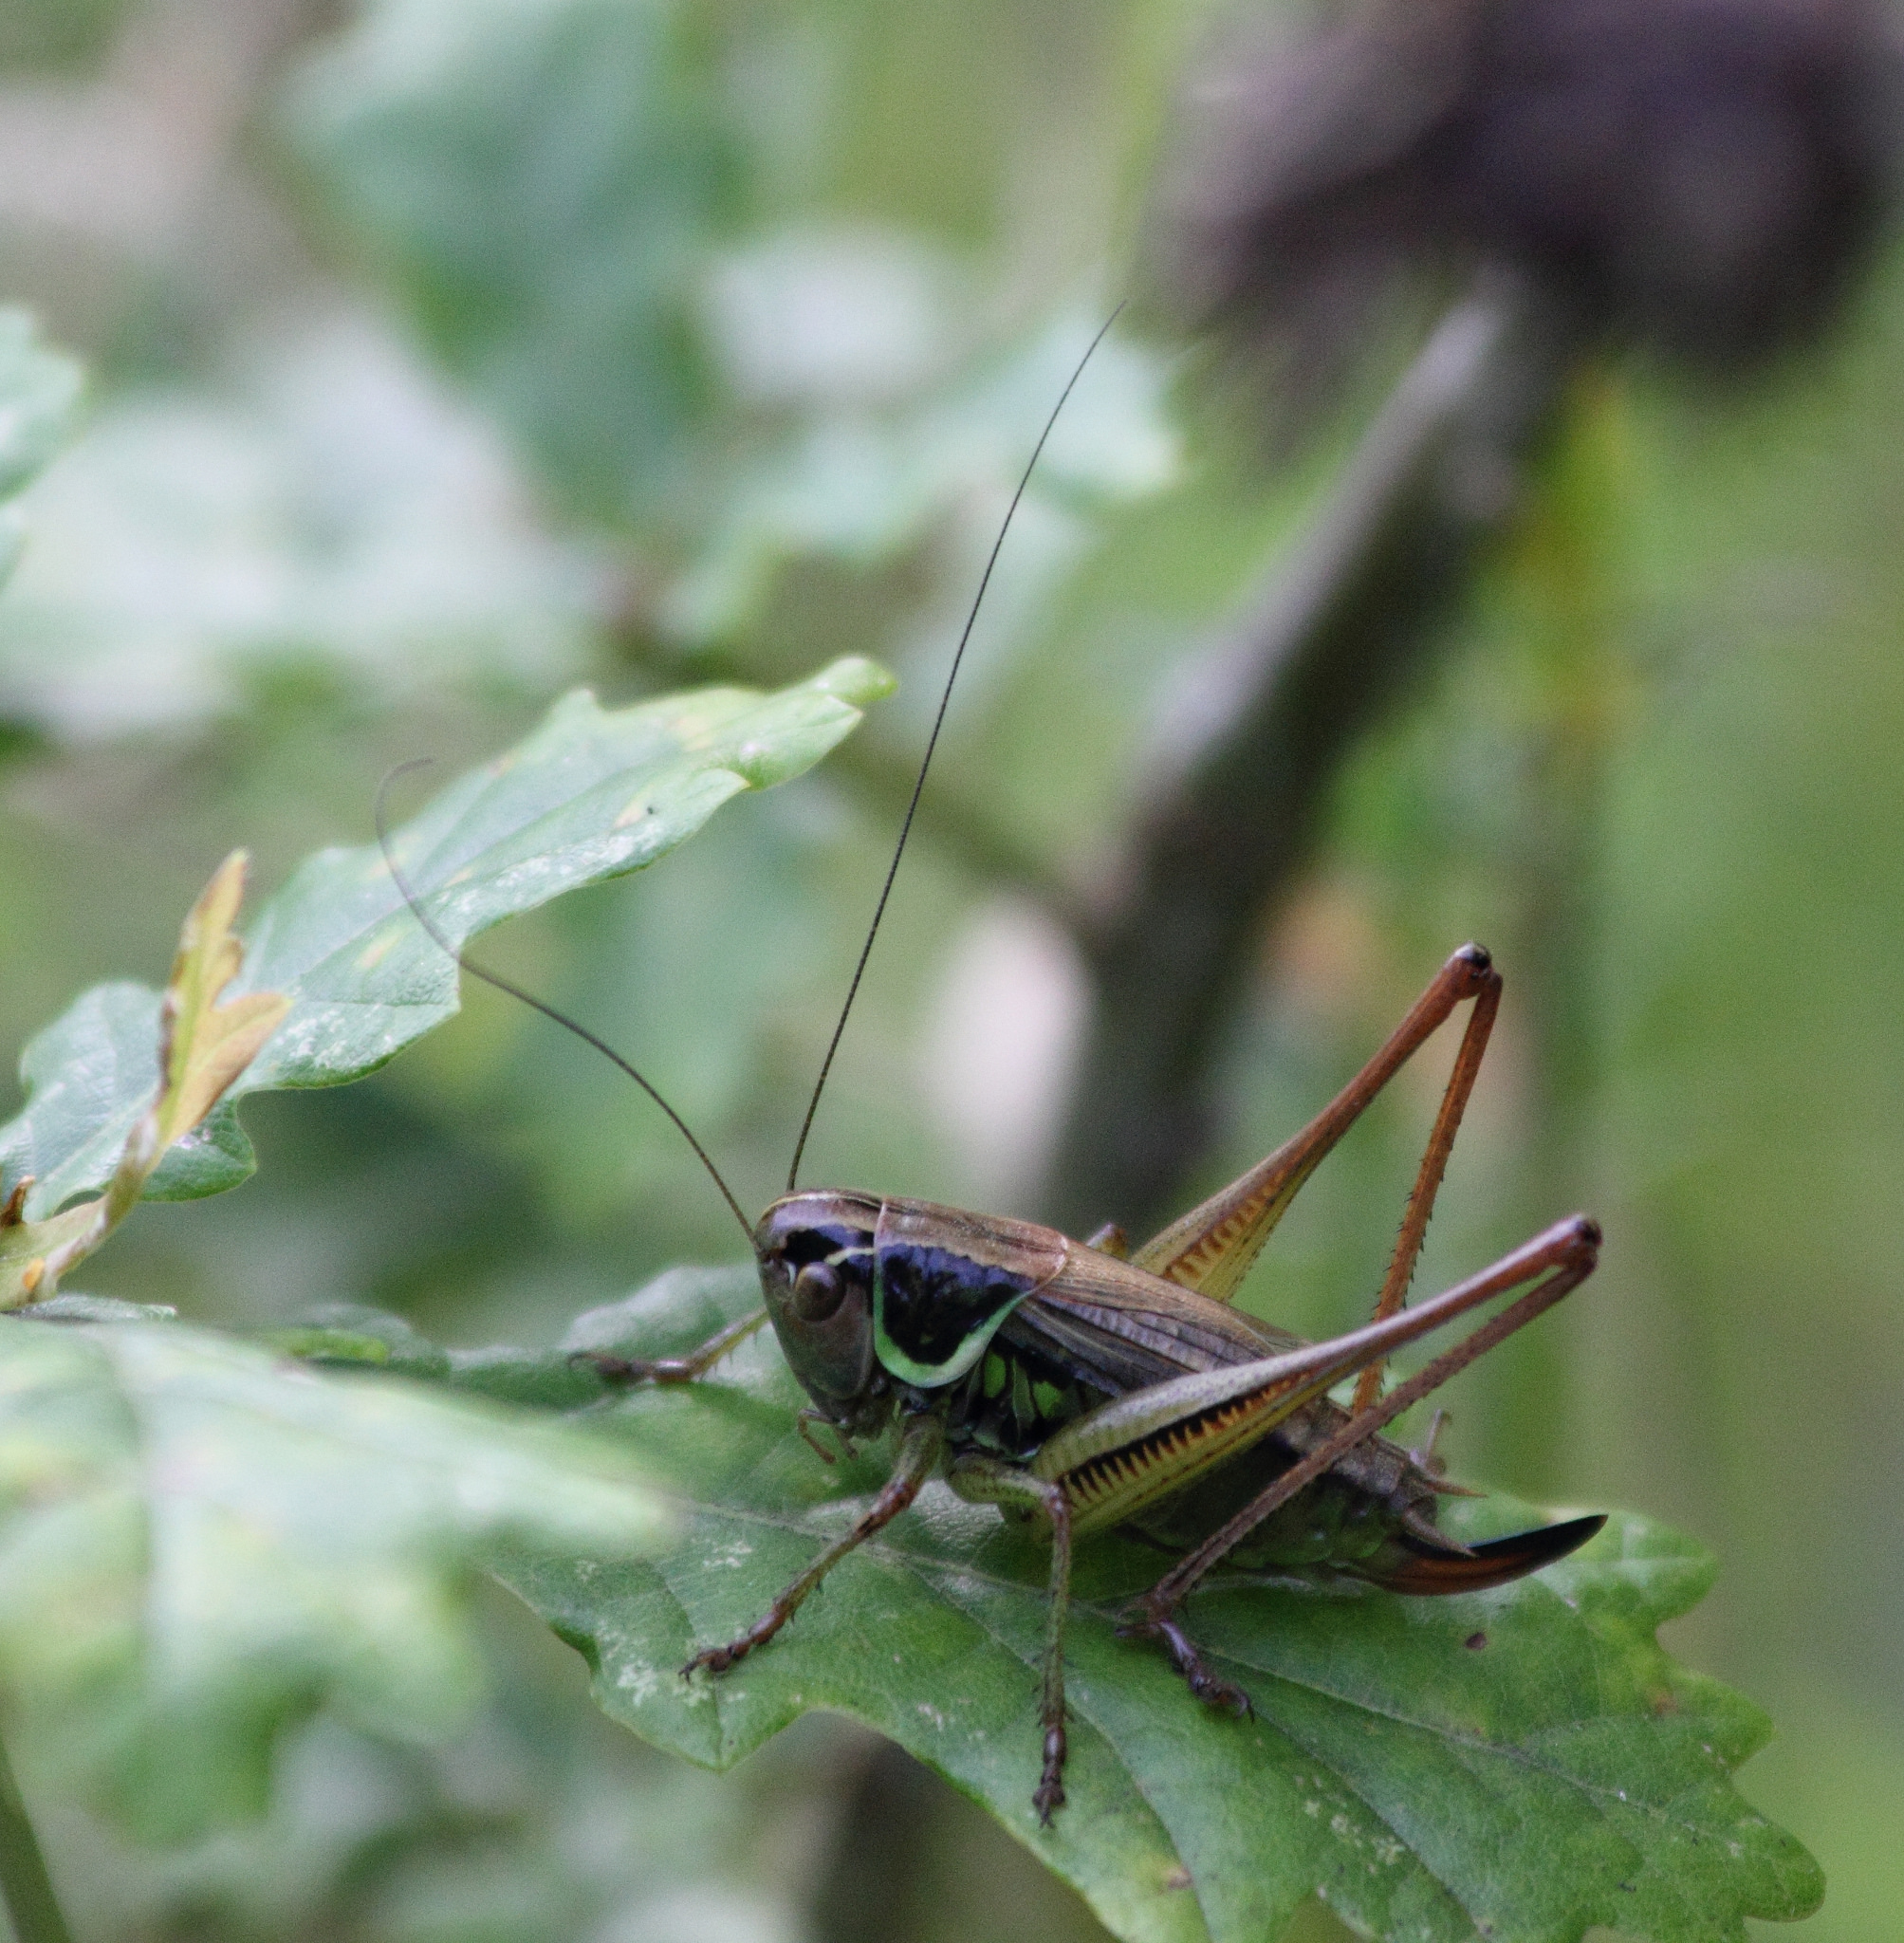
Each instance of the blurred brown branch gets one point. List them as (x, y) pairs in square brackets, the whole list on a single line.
[(1700, 177), (1332, 643)]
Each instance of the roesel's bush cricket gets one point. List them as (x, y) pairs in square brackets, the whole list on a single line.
[(1085, 1386)]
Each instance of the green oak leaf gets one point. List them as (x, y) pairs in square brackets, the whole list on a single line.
[(591, 794), (541, 183), (1522, 1763), (201, 1543)]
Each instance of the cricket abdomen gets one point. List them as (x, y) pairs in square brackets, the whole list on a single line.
[(1363, 1516), (1370, 1516), (1346, 1521)]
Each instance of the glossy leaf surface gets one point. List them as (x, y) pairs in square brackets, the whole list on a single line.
[(592, 794), (1524, 1763), (201, 1542)]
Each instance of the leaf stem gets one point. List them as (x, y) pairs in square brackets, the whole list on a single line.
[(25, 1885)]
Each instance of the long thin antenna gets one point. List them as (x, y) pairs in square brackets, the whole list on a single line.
[(528, 998), (932, 742)]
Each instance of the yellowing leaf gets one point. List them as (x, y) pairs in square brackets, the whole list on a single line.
[(203, 1048), (24, 1247), (205, 1044)]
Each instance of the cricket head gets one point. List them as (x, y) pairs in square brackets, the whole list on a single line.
[(816, 1255)]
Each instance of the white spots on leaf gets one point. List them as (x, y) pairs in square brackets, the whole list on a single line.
[(926, 1711), (727, 1557), (638, 1680)]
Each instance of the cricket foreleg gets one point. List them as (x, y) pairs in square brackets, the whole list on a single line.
[(1211, 1248), (671, 1369), (920, 1444), (985, 1481), (1562, 1258)]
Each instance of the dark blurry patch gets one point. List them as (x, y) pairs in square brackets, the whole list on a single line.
[(1702, 176), (19, 740)]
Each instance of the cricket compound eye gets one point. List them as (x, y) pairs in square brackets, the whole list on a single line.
[(818, 1293)]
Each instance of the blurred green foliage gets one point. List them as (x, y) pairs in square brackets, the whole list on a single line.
[(57, 33), (547, 340), (544, 187), (204, 1543)]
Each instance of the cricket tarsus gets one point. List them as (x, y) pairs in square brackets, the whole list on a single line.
[(1207, 1686), (529, 999), (1048, 1797), (931, 744)]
